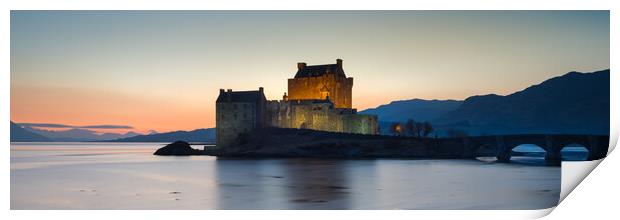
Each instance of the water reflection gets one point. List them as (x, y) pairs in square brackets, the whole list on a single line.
[(242, 184), (282, 184), (319, 184)]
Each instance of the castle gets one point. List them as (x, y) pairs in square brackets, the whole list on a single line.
[(319, 98)]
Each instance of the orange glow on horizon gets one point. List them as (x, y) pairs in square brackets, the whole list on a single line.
[(83, 107)]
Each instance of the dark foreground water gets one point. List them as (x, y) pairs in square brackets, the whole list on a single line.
[(128, 176)]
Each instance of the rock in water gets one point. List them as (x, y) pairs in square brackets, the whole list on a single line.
[(178, 148)]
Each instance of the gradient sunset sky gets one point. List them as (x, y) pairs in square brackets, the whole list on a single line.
[(162, 70)]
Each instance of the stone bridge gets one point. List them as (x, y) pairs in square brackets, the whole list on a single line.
[(501, 146)]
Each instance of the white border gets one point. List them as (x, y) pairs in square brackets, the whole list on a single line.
[(586, 204)]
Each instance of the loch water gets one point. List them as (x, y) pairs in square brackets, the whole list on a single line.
[(91, 175)]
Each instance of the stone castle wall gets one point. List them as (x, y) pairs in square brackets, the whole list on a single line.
[(338, 88), (360, 124), (319, 116), (233, 118)]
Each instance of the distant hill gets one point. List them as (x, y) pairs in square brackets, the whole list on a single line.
[(19, 134), (198, 135), (78, 134), (575, 103), (417, 109)]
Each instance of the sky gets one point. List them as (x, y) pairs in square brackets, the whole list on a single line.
[(162, 70)]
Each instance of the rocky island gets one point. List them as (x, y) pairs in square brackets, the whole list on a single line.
[(178, 148)]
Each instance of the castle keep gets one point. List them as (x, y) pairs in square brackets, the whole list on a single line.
[(320, 82), (319, 98)]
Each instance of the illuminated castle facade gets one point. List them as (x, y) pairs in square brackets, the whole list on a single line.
[(320, 82), (319, 98)]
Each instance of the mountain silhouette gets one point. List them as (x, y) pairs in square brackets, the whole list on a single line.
[(30, 134), (416, 109), (19, 134), (78, 134), (198, 135), (575, 103)]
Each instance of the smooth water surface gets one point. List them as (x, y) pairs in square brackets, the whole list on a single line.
[(128, 176)]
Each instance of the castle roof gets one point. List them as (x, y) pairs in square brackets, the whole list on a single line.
[(240, 96), (319, 70)]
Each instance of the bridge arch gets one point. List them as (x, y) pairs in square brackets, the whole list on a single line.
[(527, 153), (486, 152), (540, 144), (575, 152), (590, 143), (576, 140)]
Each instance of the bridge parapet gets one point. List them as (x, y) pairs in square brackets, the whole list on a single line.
[(502, 145)]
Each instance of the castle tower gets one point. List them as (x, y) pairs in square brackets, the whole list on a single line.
[(321, 81), (237, 112)]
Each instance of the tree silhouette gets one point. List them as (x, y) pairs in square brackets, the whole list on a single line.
[(427, 128), (410, 127), (418, 126)]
